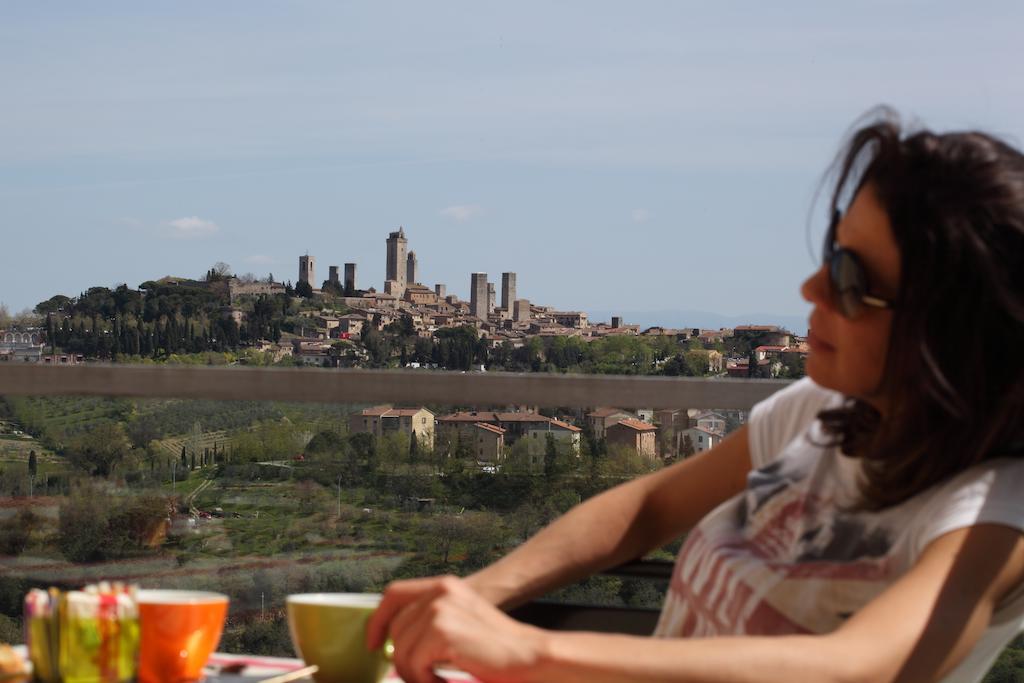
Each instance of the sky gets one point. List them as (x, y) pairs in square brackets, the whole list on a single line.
[(630, 157)]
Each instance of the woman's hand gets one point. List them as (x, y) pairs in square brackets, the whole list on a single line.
[(442, 620)]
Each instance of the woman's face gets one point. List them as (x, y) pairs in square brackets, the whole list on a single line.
[(849, 355)]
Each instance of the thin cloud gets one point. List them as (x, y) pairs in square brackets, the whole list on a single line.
[(192, 227), (462, 212), (640, 215)]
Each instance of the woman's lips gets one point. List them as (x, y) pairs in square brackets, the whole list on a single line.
[(817, 343)]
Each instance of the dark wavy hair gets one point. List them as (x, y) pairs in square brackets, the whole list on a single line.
[(954, 372)]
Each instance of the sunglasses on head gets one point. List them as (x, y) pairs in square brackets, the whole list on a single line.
[(846, 276)]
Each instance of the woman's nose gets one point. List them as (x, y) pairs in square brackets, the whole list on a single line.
[(815, 289)]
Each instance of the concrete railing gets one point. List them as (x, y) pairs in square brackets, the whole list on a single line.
[(407, 387)]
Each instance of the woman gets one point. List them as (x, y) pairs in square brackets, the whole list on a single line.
[(866, 524)]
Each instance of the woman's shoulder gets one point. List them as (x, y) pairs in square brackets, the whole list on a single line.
[(987, 493), (785, 415)]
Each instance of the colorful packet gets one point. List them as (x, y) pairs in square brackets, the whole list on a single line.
[(87, 636)]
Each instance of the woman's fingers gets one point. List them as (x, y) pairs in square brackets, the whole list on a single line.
[(396, 597)]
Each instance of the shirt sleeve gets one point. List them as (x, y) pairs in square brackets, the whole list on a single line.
[(989, 493), (783, 416)]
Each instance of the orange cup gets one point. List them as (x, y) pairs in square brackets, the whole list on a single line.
[(180, 629)]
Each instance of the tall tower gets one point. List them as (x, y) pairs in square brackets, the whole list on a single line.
[(440, 291), (411, 274), (333, 275), (478, 295), (350, 279), (396, 258), (508, 291), (307, 270), (490, 297)]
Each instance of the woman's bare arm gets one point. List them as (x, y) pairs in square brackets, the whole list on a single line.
[(616, 526), (916, 631)]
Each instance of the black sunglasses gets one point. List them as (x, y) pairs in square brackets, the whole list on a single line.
[(846, 276)]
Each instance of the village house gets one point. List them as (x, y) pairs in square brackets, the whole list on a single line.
[(566, 437), (711, 421), (516, 425), (488, 443), (381, 420), (600, 419), (700, 439), (311, 351), (634, 434)]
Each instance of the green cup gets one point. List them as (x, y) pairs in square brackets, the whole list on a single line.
[(329, 630)]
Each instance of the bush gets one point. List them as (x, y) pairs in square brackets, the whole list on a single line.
[(83, 527), (15, 532), (90, 532)]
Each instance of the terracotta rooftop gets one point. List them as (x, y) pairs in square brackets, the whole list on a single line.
[(607, 412), (404, 412), (491, 416), (635, 424), (375, 411), (475, 416), (565, 425), (388, 411), (489, 428), (522, 417)]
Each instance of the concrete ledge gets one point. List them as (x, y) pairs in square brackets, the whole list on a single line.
[(410, 387)]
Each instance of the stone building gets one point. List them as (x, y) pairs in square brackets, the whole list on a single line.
[(516, 425), (411, 269), (350, 279), (478, 295), (381, 420), (307, 270), (397, 263), (488, 443), (573, 319), (600, 419), (701, 439), (521, 311), (508, 292), (419, 295), (238, 289), (566, 436), (634, 434)]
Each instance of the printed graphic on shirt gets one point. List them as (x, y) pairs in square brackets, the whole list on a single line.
[(778, 558)]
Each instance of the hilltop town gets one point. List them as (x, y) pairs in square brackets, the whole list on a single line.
[(337, 323)]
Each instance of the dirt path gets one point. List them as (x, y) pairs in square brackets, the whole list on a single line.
[(191, 498)]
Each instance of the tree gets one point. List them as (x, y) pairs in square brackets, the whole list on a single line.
[(83, 527), (184, 458), (219, 271), (304, 289), (100, 450), (686, 449), (414, 448), (32, 464), (16, 532), (331, 287), (550, 456)]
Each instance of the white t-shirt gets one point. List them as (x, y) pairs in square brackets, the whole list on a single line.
[(786, 556)]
